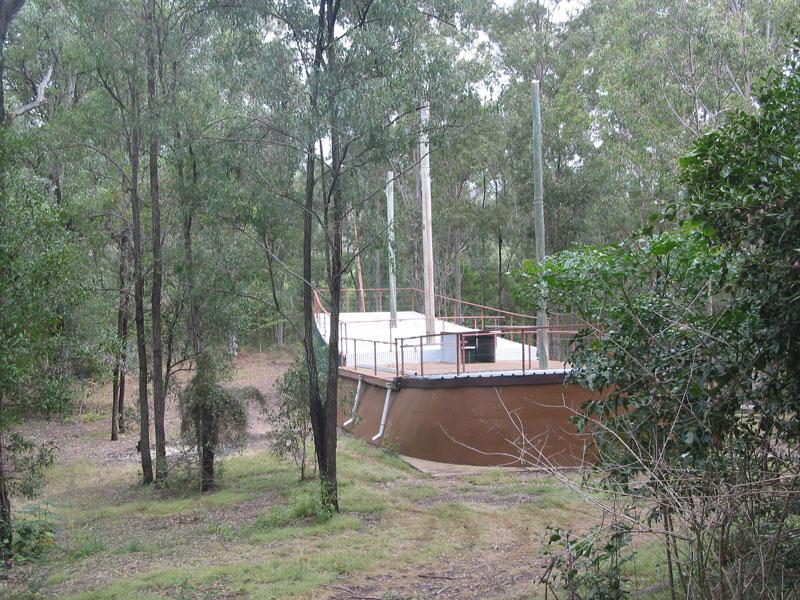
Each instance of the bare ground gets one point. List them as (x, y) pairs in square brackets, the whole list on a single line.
[(92, 422)]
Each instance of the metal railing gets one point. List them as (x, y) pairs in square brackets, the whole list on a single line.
[(456, 353), (513, 346)]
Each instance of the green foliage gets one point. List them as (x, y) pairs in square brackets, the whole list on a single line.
[(589, 567), (692, 349), (37, 288), (304, 507), (743, 187), (86, 542), (28, 462), (34, 533), (212, 416), (656, 346), (291, 433)]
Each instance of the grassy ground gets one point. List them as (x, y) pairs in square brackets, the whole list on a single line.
[(400, 533)]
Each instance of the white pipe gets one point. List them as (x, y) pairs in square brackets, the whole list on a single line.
[(387, 404), (392, 267), (427, 220), (354, 412), (538, 221)]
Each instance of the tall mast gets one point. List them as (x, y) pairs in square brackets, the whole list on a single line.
[(538, 221), (392, 267), (362, 302), (427, 227)]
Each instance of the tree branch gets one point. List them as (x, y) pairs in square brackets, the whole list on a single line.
[(39, 95)]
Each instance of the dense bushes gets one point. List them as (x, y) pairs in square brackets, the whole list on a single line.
[(694, 349)]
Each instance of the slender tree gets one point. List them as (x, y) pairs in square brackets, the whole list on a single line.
[(159, 393)]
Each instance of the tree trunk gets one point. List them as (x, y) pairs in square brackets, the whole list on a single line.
[(6, 529), (499, 250), (377, 278), (318, 412), (193, 324), (483, 245), (328, 476), (155, 202), (418, 257), (123, 371), (362, 299), (8, 11), (208, 482), (118, 383), (325, 450), (115, 404), (138, 294)]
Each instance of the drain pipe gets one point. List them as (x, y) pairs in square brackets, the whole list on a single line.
[(387, 404), (356, 400)]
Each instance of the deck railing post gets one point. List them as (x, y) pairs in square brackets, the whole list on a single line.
[(421, 361), (375, 358), (528, 338), (458, 354), (396, 361), (403, 357)]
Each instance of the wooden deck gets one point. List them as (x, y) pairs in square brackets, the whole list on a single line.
[(389, 373)]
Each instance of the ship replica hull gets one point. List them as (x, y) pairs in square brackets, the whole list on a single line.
[(494, 420), (472, 393)]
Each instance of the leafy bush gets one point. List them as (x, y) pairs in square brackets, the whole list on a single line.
[(694, 356), (292, 434), (213, 418), (589, 567), (34, 533)]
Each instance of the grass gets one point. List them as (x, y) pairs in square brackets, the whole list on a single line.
[(263, 533)]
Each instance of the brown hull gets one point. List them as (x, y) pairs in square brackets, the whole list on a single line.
[(472, 421)]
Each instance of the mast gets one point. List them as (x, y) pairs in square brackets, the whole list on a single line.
[(538, 221), (362, 303), (427, 227), (392, 267)]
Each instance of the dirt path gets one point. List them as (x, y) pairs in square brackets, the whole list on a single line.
[(501, 571)]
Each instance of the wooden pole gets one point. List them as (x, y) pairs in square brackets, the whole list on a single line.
[(427, 226), (538, 220), (362, 303), (392, 265)]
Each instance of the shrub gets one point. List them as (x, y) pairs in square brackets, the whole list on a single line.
[(292, 434), (34, 533), (213, 418)]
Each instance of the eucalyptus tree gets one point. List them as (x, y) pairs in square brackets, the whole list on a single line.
[(110, 124), (360, 79), (663, 73), (39, 284), (81, 166), (9, 9)]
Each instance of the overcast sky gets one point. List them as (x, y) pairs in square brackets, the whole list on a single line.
[(561, 9)]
